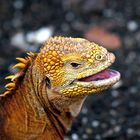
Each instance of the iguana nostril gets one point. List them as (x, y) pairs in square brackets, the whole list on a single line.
[(111, 57)]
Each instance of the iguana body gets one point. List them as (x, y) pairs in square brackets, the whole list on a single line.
[(48, 92)]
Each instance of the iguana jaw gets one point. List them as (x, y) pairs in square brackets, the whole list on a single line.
[(93, 80), (90, 84), (100, 76), (107, 77)]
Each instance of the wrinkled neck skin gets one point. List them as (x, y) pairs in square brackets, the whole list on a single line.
[(35, 112)]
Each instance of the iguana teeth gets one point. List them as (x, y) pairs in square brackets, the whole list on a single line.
[(22, 60), (10, 85), (19, 65), (10, 77)]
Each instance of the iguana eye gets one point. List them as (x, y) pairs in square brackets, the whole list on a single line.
[(75, 65), (99, 57)]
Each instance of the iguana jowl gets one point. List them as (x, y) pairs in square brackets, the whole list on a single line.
[(47, 93)]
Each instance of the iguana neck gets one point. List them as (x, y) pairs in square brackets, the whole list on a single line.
[(34, 109)]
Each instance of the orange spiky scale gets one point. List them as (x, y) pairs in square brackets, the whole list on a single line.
[(17, 75), (22, 60), (5, 93), (10, 77), (10, 85), (19, 65), (31, 54)]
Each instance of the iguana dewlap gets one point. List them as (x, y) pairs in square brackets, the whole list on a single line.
[(47, 93)]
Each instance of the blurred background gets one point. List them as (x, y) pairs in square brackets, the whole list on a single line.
[(115, 24)]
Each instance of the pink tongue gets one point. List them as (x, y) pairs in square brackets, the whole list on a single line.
[(99, 76)]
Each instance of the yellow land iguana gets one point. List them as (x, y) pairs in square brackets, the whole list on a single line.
[(47, 93)]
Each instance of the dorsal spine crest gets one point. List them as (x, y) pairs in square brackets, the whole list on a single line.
[(22, 66)]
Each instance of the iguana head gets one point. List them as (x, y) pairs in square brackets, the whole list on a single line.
[(75, 66)]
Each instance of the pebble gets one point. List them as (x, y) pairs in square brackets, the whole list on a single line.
[(89, 130), (19, 40), (113, 112), (132, 26), (129, 41), (131, 57), (84, 120), (115, 103), (108, 13), (93, 5), (115, 93), (95, 123), (104, 125), (30, 41), (65, 27), (69, 16), (66, 138), (113, 122), (40, 35), (133, 90), (84, 110), (117, 129), (74, 136), (85, 136), (130, 131), (108, 133), (18, 4), (16, 22), (98, 137), (132, 104)]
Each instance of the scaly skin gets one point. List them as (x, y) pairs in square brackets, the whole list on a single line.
[(47, 94)]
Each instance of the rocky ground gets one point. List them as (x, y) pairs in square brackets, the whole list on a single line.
[(113, 115)]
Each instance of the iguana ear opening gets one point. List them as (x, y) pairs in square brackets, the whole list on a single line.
[(48, 82)]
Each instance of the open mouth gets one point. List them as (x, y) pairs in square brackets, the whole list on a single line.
[(102, 75), (107, 77)]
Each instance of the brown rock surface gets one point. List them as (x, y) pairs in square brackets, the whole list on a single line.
[(100, 35)]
